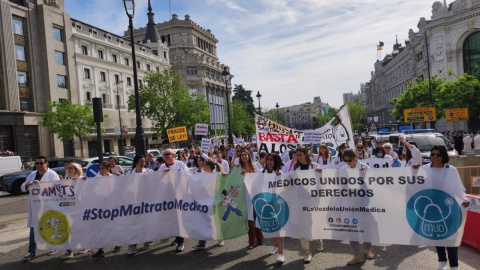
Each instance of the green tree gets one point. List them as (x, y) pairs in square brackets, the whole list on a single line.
[(242, 122), (358, 116), (245, 96), (69, 121), (165, 100), (322, 119)]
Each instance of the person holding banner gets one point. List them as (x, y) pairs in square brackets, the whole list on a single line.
[(209, 166), (351, 158), (362, 154), (439, 158), (273, 164), (338, 161), (255, 236), (389, 151), (304, 163), (380, 159), (288, 166), (262, 159), (323, 158), (42, 174), (138, 167), (218, 158), (413, 156), (114, 168)]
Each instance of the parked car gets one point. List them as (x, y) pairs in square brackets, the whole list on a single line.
[(125, 162), (156, 152), (12, 182), (9, 164)]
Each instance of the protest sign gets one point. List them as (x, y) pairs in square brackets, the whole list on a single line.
[(206, 142), (201, 129), (177, 134), (312, 136)]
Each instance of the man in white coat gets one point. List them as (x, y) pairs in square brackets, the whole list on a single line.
[(42, 174)]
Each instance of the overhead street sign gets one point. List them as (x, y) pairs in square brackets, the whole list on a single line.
[(452, 115), (420, 115)]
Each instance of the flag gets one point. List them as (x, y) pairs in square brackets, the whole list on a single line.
[(233, 191), (380, 43), (379, 48), (325, 110)]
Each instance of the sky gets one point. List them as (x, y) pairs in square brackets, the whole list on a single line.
[(289, 50)]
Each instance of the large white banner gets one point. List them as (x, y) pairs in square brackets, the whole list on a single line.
[(273, 137), (137, 208), (391, 206)]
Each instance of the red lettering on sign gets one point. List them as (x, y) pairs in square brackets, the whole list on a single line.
[(277, 137)]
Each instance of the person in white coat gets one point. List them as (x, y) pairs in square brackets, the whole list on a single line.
[(42, 174)]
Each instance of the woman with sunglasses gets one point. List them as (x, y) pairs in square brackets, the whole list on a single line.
[(351, 158), (380, 159), (362, 154), (74, 172), (273, 164), (323, 158), (255, 236), (389, 151), (439, 158), (304, 163), (338, 161)]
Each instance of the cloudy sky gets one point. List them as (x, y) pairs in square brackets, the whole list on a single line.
[(289, 50)]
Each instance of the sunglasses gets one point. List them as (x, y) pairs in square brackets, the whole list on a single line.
[(437, 155), (386, 147), (348, 160), (168, 154), (39, 163)]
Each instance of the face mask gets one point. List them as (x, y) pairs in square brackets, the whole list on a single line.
[(379, 155)]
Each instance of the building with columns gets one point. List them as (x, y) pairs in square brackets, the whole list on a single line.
[(302, 116), (193, 52), (448, 41)]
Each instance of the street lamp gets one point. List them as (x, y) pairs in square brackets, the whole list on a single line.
[(259, 108), (278, 116), (120, 118), (140, 143), (226, 78)]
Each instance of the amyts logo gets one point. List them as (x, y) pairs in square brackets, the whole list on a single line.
[(434, 214), (271, 210), (54, 227)]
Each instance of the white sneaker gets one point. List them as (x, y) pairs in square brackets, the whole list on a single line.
[(180, 247), (274, 250), (52, 252), (132, 249), (307, 258), (221, 243), (442, 265), (280, 258), (319, 245), (67, 255)]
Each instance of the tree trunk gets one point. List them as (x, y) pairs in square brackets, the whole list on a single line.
[(81, 147)]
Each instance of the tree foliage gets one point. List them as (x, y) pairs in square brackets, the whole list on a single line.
[(242, 122), (244, 95), (69, 121), (358, 116), (322, 119), (462, 92), (165, 100)]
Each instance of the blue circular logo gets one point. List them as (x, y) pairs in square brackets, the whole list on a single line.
[(346, 221), (434, 214), (271, 210), (451, 114), (354, 221)]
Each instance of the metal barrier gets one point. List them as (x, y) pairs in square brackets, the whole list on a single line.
[(466, 174)]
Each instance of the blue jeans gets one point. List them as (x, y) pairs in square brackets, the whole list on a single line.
[(452, 255), (32, 246), (230, 208)]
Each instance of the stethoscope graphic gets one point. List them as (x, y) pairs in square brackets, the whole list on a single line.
[(448, 202), (268, 207)]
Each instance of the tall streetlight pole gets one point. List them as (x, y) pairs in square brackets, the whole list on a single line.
[(120, 119), (226, 78), (259, 108), (140, 142), (278, 116)]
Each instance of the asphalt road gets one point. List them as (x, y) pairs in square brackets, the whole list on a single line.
[(234, 255)]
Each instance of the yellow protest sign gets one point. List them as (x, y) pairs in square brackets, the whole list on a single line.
[(456, 114), (420, 115), (177, 134)]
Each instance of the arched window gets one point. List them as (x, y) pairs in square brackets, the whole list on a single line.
[(471, 54)]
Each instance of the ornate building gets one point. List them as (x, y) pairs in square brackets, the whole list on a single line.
[(450, 40), (193, 52)]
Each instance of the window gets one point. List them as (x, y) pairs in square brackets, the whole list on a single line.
[(140, 83), (22, 78), (154, 52), (89, 96), (60, 58), (100, 54), (165, 55), (58, 34), (84, 49), (129, 81), (20, 53), (138, 64), (86, 73), (114, 58), (103, 77), (78, 26), (471, 54), (17, 27), (117, 78), (127, 62), (104, 98), (62, 81), (158, 69), (148, 67)]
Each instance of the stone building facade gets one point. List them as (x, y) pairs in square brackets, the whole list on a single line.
[(193, 52), (450, 40)]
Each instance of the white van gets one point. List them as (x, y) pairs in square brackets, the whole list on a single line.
[(10, 164)]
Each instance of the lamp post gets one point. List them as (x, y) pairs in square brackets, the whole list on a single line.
[(140, 143), (278, 116), (120, 119), (226, 78), (259, 108)]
